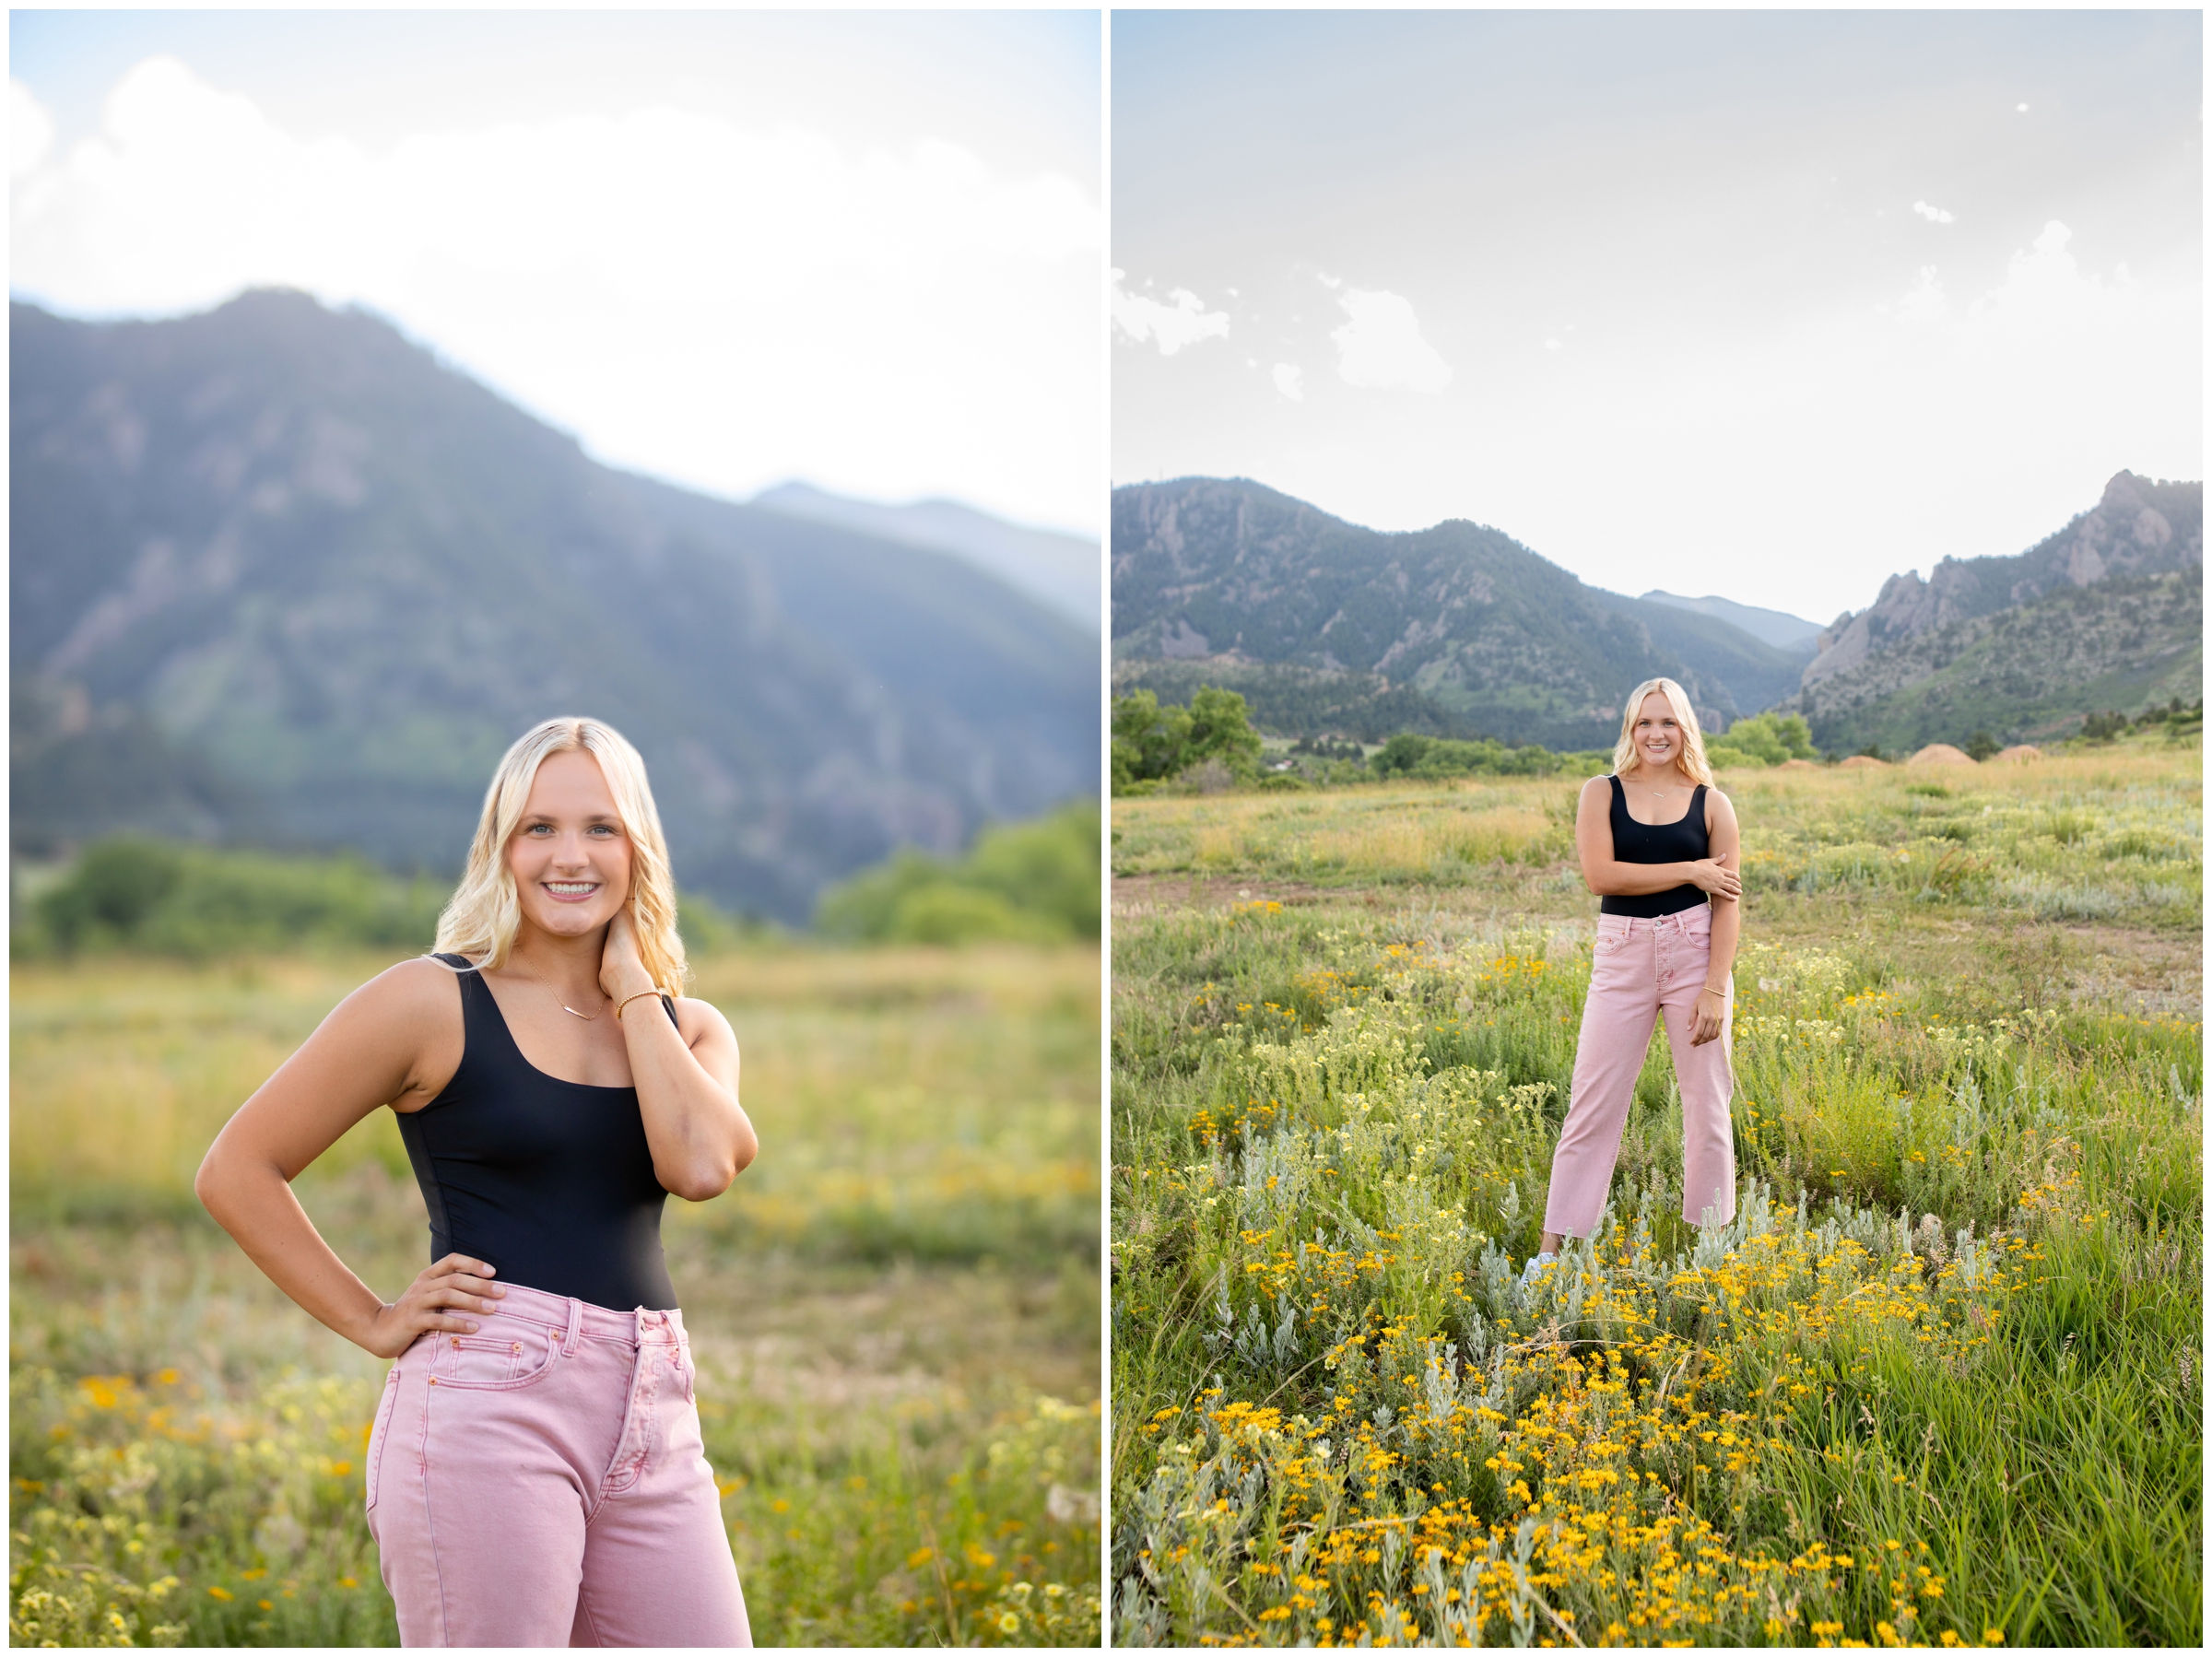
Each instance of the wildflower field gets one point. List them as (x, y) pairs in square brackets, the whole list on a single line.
[(1939, 1382), (895, 1312)]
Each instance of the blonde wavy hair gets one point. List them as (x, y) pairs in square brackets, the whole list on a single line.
[(480, 920), (1691, 761)]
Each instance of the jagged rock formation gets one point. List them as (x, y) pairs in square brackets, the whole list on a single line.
[(2139, 528), (2030, 671)]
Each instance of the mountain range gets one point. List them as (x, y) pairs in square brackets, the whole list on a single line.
[(1489, 636), (2107, 613), (1059, 570), (1778, 628), (1459, 631), (279, 575)]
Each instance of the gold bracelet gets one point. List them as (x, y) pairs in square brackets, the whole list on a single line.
[(1709, 990), (628, 999)]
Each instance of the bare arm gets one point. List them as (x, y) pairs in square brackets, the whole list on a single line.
[(375, 1047), (686, 1075), (1608, 878), (1725, 840)]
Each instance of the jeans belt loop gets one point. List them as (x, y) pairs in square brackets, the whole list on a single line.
[(568, 1340)]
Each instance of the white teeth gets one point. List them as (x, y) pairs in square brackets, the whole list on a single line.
[(571, 888)]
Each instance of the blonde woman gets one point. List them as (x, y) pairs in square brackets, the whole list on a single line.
[(1659, 846), (536, 1474)]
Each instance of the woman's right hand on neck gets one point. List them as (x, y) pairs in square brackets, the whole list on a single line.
[(435, 1303)]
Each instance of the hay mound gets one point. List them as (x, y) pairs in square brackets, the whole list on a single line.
[(1796, 765), (1941, 753), (1859, 762), (2019, 751)]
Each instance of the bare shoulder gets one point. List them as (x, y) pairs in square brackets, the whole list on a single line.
[(1598, 785), (1719, 808), (696, 1020), (411, 990)]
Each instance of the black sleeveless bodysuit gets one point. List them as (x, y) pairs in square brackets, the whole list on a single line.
[(1682, 840), (549, 1182)]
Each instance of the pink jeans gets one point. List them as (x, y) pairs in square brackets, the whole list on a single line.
[(1642, 968), (542, 1482)]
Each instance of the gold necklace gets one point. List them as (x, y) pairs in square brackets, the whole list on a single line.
[(564, 1005)]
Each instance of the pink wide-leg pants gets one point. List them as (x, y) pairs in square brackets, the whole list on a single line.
[(1642, 968), (542, 1483)]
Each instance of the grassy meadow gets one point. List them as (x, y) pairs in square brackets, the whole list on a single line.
[(895, 1312), (1939, 1382)]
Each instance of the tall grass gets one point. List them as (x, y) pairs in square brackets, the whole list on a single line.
[(1939, 1381), (894, 1312), (2112, 833)]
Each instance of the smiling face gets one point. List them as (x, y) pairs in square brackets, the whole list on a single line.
[(1657, 734), (569, 855)]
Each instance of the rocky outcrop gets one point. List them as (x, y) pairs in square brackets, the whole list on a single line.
[(2139, 527)]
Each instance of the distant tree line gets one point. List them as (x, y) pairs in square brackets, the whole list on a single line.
[(2176, 716), (139, 894), (1304, 701), (1033, 882), (134, 892), (1211, 745)]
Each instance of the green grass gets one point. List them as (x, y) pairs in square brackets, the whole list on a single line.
[(895, 1312), (1939, 1382)]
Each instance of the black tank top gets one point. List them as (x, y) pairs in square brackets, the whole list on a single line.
[(1682, 840), (549, 1182)]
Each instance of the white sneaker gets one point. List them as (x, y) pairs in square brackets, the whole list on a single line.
[(1537, 1264)]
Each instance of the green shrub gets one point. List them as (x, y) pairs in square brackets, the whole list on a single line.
[(1033, 882), (1151, 742), (1413, 755), (1768, 738), (198, 900)]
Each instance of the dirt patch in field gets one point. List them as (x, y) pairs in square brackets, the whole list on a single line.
[(2152, 974), (1151, 894), (1539, 894)]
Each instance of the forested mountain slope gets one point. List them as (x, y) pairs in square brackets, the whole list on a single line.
[(2106, 613), (1496, 638), (277, 573)]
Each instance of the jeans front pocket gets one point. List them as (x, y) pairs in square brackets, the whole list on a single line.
[(378, 1433), (495, 1360)]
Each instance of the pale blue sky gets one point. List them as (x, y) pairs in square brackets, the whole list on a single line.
[(726, 247), (1764, 304)]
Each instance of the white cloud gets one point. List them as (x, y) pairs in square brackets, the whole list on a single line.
[(2020, 109), (2045, 297), (1291, 380), (1553, 345), (1381, 348), (1933, 215), (723, 306), (1327, 281), (2045, 289), (1172, 327), (1924, 302), (29, 131)]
